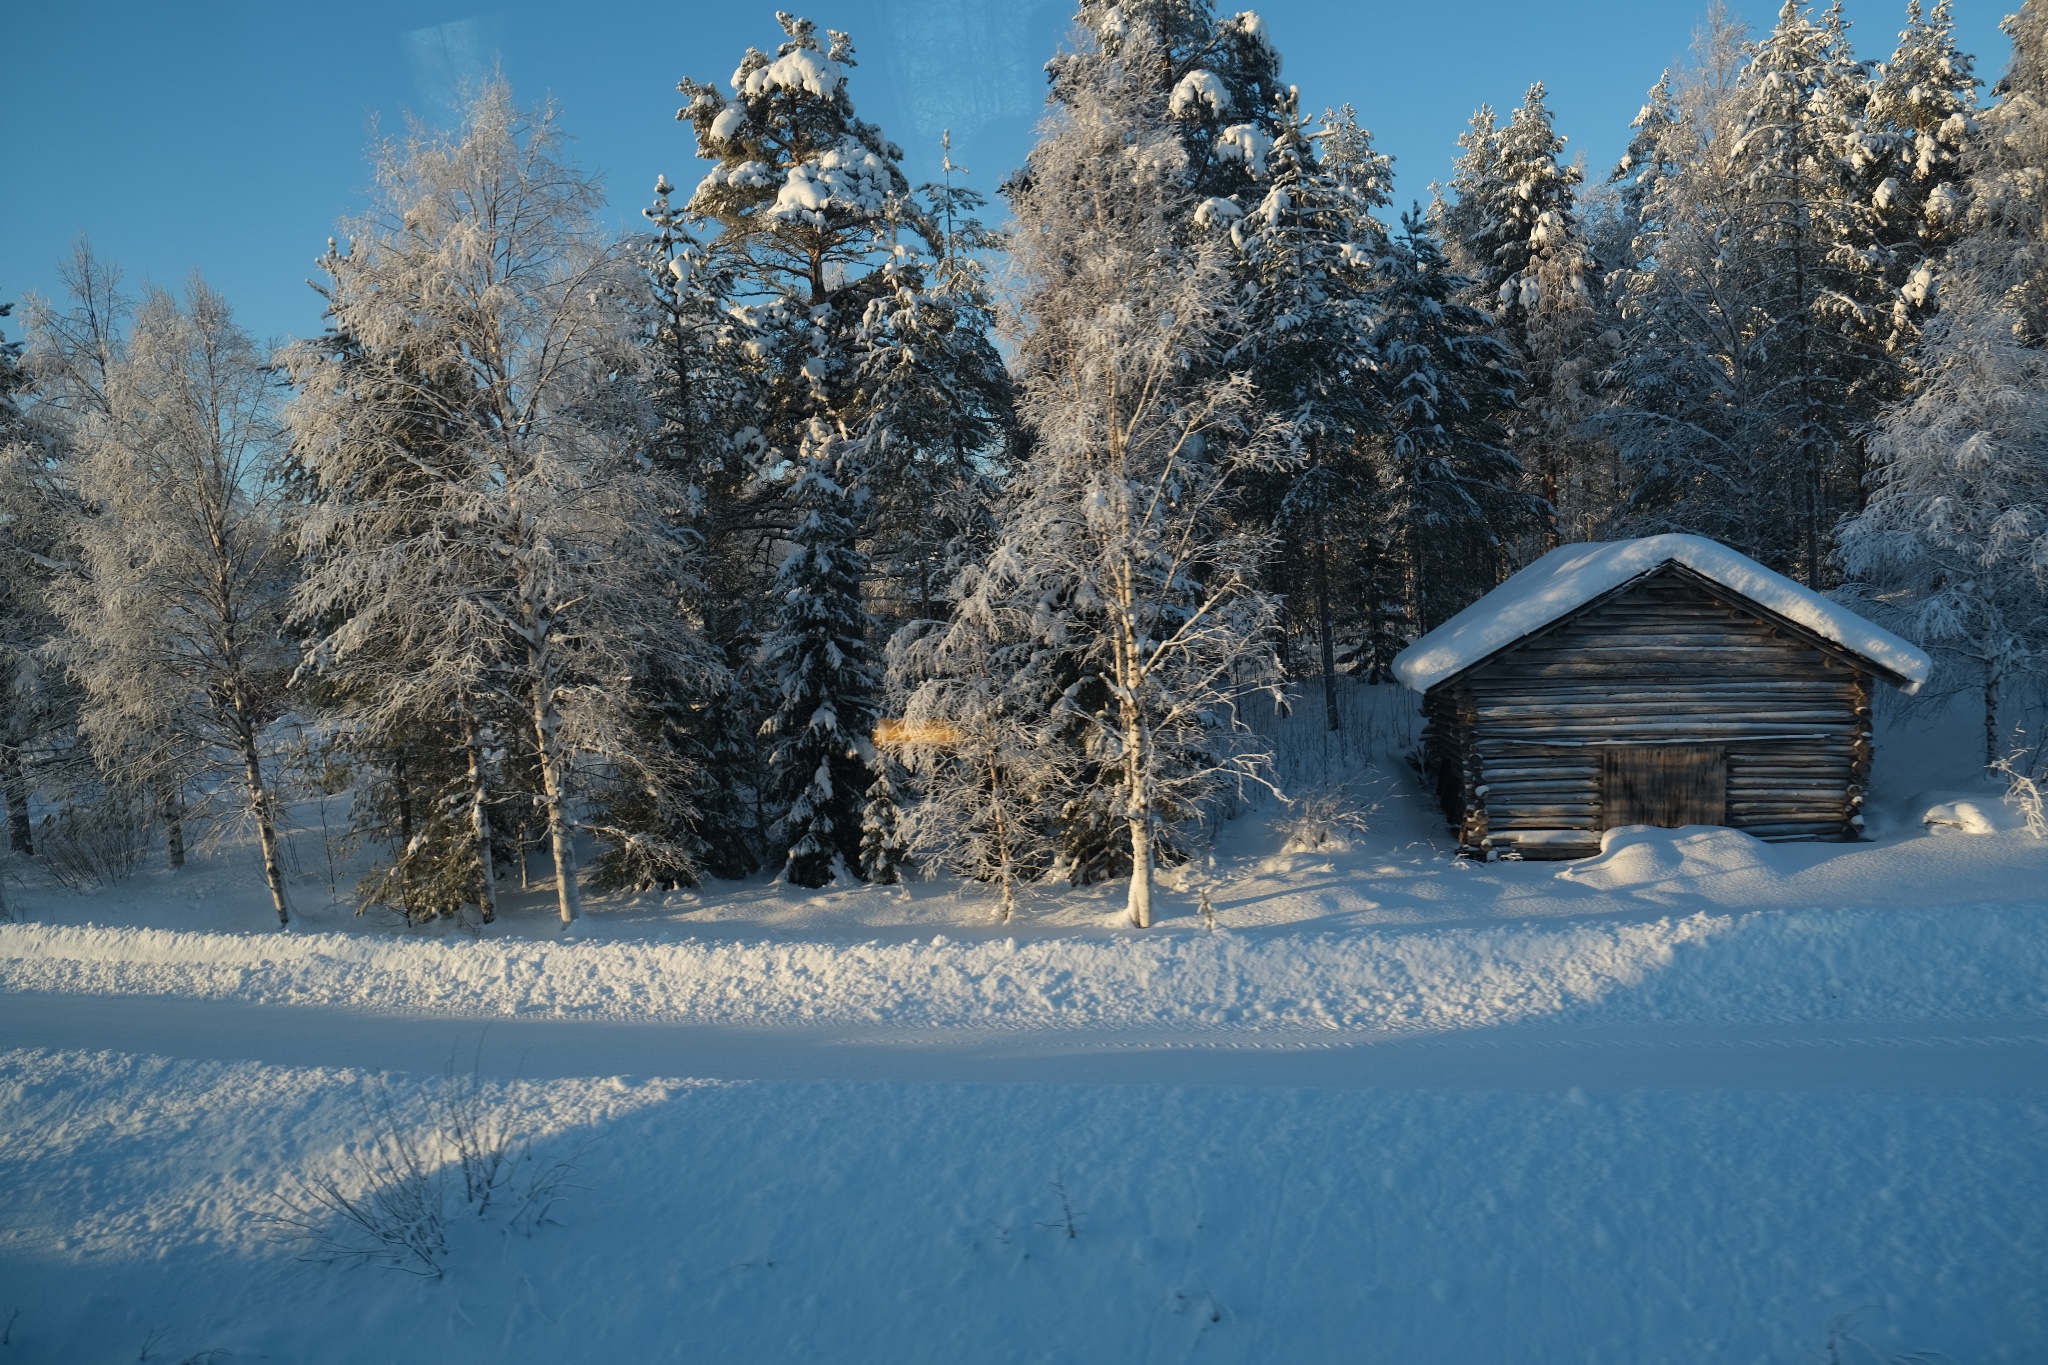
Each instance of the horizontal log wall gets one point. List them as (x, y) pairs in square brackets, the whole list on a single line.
[(1668, 661)]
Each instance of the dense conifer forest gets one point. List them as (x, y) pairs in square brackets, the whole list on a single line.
[(841, 528)]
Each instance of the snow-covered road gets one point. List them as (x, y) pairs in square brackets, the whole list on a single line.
[(2008, 1057)]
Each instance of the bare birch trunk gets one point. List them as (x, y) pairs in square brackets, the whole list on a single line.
[(480, 828), (1139, 813), (546, 723), (1140, 901), (266, 825)]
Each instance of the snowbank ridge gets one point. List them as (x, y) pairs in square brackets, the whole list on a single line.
[(1988, 961)]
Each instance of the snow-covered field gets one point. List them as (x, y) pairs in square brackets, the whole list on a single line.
[(1698, 1100)]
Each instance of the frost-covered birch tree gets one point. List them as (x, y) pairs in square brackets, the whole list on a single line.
[(72, 347), (982, 728), (174, 616), (529, 559), (1120, 509)]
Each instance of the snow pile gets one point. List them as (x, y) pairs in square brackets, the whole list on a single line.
[(799, 69), (1572, 575), (1196, 89), (1698, 858), (847, 177), (1970, 817), (1986, 961)]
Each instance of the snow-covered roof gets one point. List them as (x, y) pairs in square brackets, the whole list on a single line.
[(1572, 575)]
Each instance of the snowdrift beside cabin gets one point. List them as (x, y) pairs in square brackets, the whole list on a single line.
[(1572, 575)]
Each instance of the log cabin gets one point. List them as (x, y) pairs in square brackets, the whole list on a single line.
[(1663, 681)]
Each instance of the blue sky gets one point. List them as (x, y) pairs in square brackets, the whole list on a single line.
[(230, 136)]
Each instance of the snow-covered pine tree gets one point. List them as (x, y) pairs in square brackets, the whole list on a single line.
[(821, 674), (1220, 79), (1451, 500), (1513, 229), (860, 308), (174, 615), (1806, 238), (1120, 512), (1919, 121), (1954, 539), (542, 572), (2006, 249)]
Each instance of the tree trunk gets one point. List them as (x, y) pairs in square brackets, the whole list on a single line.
[(266, 826), (1138, 810), (1004, 872), (546, 723), (1323, 627), (401, 791), (1140, 901), (480, 827), (14, 788), (1991, 754), (174, 828)]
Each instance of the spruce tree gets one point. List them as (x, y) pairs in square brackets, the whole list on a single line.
[(1918, 125), (1450, 495), (1514, 229), (1313, 246), (859, 308), (1756, 315), (821, 676)]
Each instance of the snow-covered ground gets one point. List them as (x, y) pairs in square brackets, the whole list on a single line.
[(1698, 1099)]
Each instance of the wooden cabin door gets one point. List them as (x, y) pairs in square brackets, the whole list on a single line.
[(1667, 785)]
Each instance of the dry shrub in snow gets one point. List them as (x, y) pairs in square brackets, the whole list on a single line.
[(94, 844), (1320, 819), (395, 1195), (2024, 792)]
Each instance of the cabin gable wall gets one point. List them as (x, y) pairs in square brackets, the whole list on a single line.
[(1517, 743)]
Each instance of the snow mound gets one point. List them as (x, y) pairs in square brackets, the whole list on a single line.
[(1970, 817), (1634, 857), (1572, 575)]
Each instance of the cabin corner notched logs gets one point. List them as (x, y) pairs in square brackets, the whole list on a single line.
[(1668, 700)]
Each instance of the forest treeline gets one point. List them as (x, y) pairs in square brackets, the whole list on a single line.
[(822, 528)]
